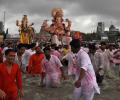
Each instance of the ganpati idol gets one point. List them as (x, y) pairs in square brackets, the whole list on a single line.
[(26, 30), (58, 27)]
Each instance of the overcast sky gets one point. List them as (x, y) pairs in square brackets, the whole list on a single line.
[(84, 14)]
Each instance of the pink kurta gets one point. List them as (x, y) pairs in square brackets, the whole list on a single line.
[(73, 69), (52, 68), (56, 53)]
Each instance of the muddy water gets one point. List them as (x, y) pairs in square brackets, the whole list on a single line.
[(109, 91)]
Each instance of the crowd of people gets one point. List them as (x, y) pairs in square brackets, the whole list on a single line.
[(87, 64)]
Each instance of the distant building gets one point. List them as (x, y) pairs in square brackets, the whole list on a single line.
[(104, 37), (100, 28), (101, 31), (114, 33), (1, 27), (113, 29), (13, 36)]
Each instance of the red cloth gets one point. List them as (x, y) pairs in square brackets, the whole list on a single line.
[(10, 82), (1, 55), (34, 66)]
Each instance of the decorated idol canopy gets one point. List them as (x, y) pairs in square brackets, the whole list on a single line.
[(26, 30), (59, 26)]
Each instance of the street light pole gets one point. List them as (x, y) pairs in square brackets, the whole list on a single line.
[(4, 21)]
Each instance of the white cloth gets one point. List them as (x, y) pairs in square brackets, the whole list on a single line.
[(26, 56), (102, 59), (66, 40), (85, 49), (19, 61), (89, 85), (5, 48), (55, 40), (3, 51), (78, 95)]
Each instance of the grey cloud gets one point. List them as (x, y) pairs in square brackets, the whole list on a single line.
[(102, 7), (75, 7), (105, 10)]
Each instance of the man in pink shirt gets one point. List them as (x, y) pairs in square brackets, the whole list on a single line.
[(55, 51), (53, 69), (85, 85), (73, 70)]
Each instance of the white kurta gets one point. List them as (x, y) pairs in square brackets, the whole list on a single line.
[(89, 85)]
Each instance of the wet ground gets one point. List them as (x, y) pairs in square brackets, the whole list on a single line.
[(109, 91)]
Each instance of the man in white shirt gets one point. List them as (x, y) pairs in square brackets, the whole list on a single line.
[(85, 85), (28, 53)]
